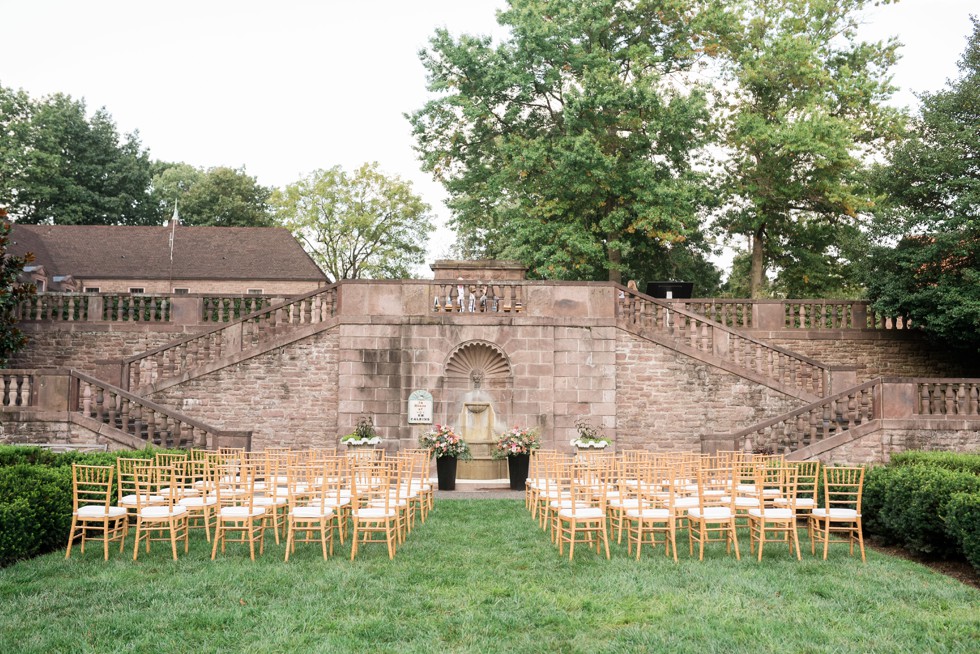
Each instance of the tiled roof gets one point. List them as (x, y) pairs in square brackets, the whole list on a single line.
[(119, 252)]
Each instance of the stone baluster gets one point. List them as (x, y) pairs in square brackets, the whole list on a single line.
[(86, 396), (974, 407), (123, 414), (960, 399), (99, 404), (24, 390), (151, 425), (925, 406), (950, 397), (937, 399)]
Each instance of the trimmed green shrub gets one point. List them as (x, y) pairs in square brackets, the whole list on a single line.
[(911, 508), (876, 480), (11, 455), (35, 510), (963, 523), (948, 460)]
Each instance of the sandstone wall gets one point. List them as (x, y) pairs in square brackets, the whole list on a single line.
[(879, 446), (876, 354), (667, 401)]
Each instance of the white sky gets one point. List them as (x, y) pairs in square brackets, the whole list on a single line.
[(286, 87)]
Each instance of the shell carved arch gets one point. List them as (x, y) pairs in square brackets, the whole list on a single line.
[(478, 361)]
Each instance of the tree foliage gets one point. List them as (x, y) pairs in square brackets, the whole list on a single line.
[(801, 105), (219, 196), (569, 146), (60, 166), (355, 225), (12, 292), (932, 274)]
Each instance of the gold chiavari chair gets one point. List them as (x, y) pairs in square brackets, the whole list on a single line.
[(310, 517), (713, 519), (92, 508), (583, 518), (655, 513), (237, 512), (373, 519), (841, 512), (772, 517), (152, 518)]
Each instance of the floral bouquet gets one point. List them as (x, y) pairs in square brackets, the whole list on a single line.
[(443, 441), (519, 440), (364, 434), (588, 436)]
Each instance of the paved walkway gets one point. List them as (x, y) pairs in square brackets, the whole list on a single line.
[(480, 489)]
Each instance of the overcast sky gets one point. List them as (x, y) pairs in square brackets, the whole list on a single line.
[(285, 87)]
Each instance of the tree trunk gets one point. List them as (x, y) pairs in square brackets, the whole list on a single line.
[(615, 258), (758, 263)]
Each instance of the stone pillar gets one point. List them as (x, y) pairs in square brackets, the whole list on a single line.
[(770, 316), (898, 400), (52, 390), (187, 309)]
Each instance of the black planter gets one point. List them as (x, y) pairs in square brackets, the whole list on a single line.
[(446, 471), (517, 465)]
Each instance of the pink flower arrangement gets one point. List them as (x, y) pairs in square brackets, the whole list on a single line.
[(519, 440), (443, 441)]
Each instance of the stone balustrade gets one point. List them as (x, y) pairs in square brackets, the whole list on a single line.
[(52, 391), (777, 315), (878, 399), (175, 358), (690, 329), (181, 309)]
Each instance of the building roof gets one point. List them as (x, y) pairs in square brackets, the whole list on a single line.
[(121, 252)]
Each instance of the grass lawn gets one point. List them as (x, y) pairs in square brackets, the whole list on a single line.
[(480, 576)]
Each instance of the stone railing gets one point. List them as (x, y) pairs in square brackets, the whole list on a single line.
[(42, 393), (946, 397), (814, 422), (176, 357), (139, 308), (18, 388), (776, 315), (475, 296), (925, 400), (135, 416), (687, 328)]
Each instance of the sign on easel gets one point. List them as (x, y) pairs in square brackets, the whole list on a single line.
[(420, 408)]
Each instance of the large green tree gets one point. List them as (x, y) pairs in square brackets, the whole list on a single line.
[(932, 180), (360, 224), (570, 144), (801, 105), (62, 166), (219, 196)]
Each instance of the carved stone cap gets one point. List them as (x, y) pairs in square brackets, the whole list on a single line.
[(482, 269)]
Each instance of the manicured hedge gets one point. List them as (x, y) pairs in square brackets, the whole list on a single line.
[(948, 460), (36, 497), (926, 502), (963, 520)]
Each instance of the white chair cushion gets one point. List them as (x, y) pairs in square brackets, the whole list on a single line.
[(197, 502), (373, 514), (711, 513), (582, 513), (625, 503), (772, 514), (685, 502), (240, 512), (99, 512), (837, 514), (649, 514), (801, 502), (311, 512), (162, 512)]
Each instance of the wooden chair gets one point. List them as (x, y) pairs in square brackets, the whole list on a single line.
[(126, 484), (654, 514), (373, 518), (841, 513), (309, 517), (713, 519), (92, 508), (199, 495), (583, 518), (237, 512), (775, 515), (152, 518)]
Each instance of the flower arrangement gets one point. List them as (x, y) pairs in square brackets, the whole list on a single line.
[(519, 440), (588, 436), (443, 441), (364, 434)]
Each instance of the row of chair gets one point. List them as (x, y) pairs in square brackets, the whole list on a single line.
[(580, 498), (305, 496)]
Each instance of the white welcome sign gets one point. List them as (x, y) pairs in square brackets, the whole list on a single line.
[(420, 408)]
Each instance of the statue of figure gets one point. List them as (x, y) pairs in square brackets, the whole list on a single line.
[(471, 301), (460, 290)]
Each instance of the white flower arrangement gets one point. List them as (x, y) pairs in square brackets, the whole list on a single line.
[(363, 434), (588, 436)]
